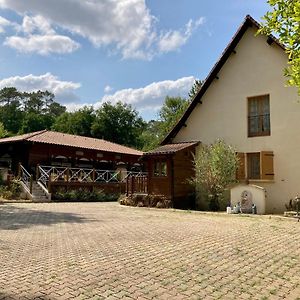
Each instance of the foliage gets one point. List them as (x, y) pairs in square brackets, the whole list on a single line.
[(84, 195), (171, 111), (11, 190), (3, 132), (151, 136), (215, 167), (195, 88), (118, 123), (22, 112), (78, 122), (284, 21)]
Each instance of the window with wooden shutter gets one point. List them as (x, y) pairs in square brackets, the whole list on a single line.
[(253, 166), (240, 172), (267, 165)]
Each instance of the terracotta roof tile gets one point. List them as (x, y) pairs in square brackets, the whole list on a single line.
[(171, 148), (64, 139)]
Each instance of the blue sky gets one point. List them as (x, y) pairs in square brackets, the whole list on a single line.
[(135, 51)]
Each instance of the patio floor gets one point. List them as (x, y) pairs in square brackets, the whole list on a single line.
[(107, 251)]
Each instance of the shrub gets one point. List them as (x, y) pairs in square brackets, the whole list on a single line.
[(215, 168), (84, 195), (11, 191)]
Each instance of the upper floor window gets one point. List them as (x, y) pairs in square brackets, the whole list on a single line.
[(259, 116)]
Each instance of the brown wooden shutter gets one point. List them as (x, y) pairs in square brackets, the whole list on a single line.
[(267, 166), (240, 172)]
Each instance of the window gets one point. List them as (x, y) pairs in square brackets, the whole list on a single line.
[(253, 165), (259, 116), (160, 168)]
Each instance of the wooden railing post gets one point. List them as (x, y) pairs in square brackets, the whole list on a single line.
[(31, 183), (19, 170), (94, 175), (37, 172), (49, 183), (68, 175), (132, 185)]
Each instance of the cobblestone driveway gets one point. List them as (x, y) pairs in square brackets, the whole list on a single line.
[(106, 251)]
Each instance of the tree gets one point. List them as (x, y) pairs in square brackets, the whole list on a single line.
[(35, 122), (215, 167), (151, 135), (78, 122), (119, 123), (284, 21), (195, 89), (9, 95), (171, 111), (3, 132)]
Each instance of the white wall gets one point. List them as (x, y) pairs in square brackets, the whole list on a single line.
[(258, 195), (255, 69)]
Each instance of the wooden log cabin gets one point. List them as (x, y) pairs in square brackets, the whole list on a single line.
[(63, 160), (169, 169)]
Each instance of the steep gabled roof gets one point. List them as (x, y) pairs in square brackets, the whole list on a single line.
[(70, 140), (248, 22), (171, 148)]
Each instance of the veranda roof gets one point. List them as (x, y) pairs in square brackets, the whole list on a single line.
[(70, 140)]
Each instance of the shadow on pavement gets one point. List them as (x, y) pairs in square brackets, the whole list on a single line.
[(13, 218)]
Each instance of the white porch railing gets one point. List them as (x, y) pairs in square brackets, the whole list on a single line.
[(25, 178), (46, 174)]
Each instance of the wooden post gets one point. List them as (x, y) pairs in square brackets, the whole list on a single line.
[(49, 184), (31, 183), (132, 185), (19, 170), (37, 173), (94, 175), (68, 174)]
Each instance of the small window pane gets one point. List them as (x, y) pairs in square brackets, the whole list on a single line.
[(253, 161), (156, 168), (163, 169)]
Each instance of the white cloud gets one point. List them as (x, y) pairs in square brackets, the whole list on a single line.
[(147, 99), (39, 37), (63, 90), (125, 26), (173, 40), (38, 24), (108, 89), (42, 44), (4, 23), (151, 95)]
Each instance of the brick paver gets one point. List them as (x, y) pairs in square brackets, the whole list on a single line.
[(107, 251)]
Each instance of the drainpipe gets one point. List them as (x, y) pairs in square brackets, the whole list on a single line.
[(172, 180)]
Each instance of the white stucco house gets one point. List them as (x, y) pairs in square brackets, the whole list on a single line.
[(246, 102)]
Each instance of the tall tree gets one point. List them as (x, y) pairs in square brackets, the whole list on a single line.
[(195, 89), (171, 111), (284, 21), (78, 122), (151, 135), (119, 123), (35, 122)]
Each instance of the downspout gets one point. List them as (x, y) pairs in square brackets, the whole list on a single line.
[(172, 180)]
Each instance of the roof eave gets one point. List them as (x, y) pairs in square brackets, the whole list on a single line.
[(248, 22)]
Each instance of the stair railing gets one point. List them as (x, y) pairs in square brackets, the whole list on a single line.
[(25, 178)]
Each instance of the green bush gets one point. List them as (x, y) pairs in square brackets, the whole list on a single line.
[(11, 190), (84, 196)]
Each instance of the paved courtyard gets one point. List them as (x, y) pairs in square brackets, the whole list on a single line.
[(106, 251)]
